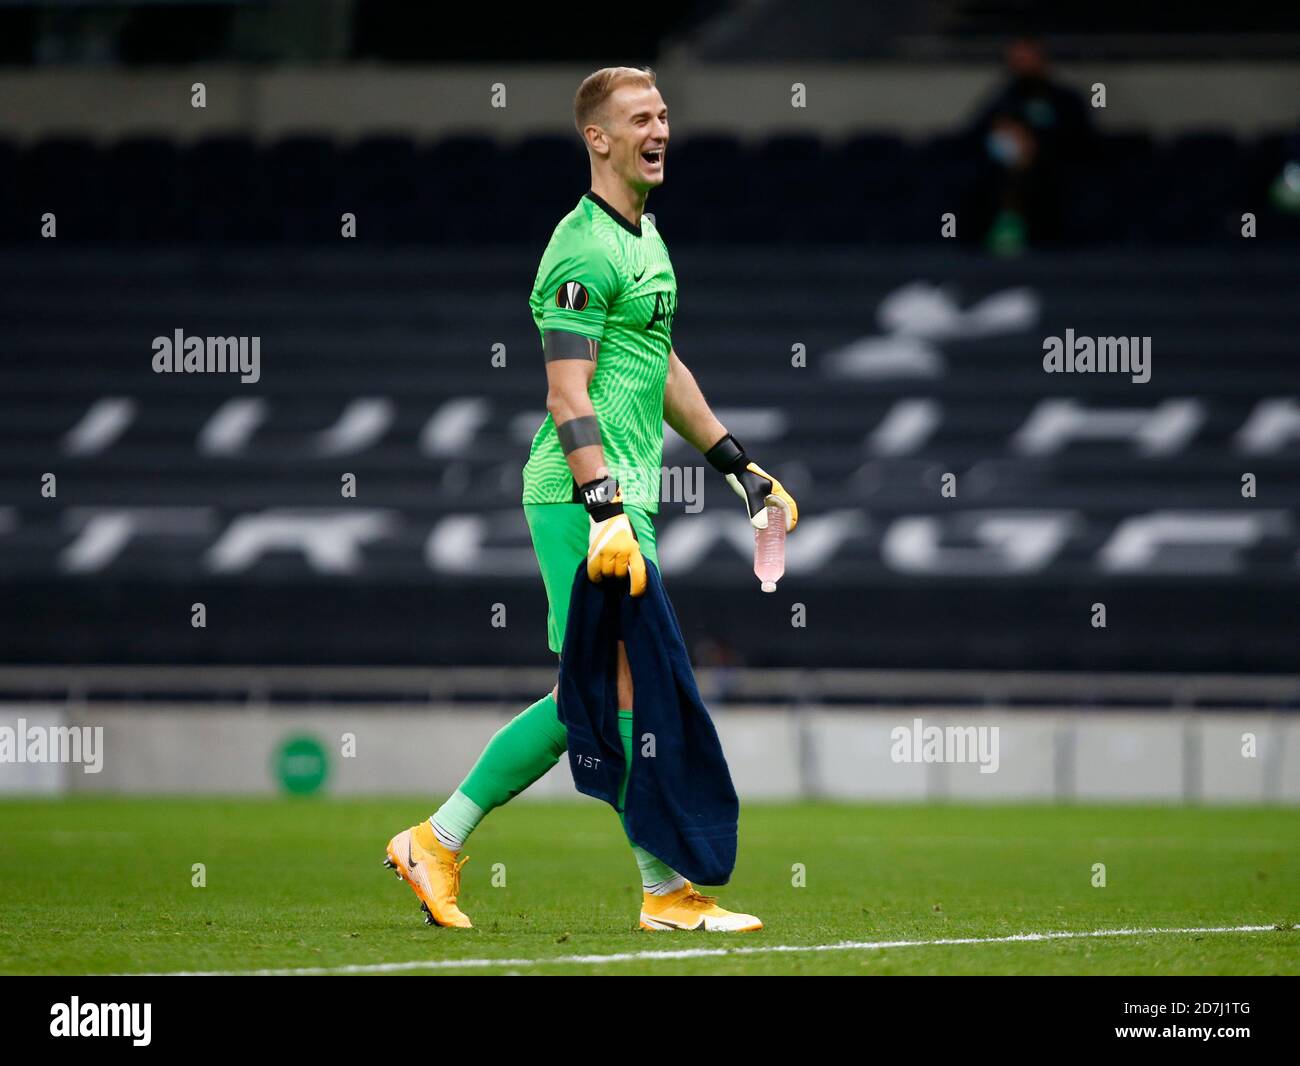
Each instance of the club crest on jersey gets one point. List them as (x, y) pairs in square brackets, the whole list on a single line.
[(571, 296)]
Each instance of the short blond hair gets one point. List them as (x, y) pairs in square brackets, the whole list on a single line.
[(597, 87)]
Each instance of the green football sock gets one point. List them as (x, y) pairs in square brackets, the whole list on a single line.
[(455, 820), (518, 754), (653, 872)]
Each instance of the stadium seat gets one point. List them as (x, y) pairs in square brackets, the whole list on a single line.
[(701, 198), (65, 176), (1111, 193), (225, 194), (13, 226), (302, 173), (1201, 179), (143, 178), (463, 176), (559, 174), (379, 183), (787, 190), (866, 182)]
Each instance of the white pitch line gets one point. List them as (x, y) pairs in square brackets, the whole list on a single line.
[(694, 953)]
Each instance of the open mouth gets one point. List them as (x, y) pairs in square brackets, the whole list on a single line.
[(653, 156)]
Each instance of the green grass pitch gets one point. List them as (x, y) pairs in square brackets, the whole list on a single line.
[(105, 886)]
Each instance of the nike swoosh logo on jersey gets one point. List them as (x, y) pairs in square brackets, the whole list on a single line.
[(638, 277)]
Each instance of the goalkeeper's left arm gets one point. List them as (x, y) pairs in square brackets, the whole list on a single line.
[(688, 412)]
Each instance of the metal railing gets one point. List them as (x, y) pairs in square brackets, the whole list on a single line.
[(367, 684)]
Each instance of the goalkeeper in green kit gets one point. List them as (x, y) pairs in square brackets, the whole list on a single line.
[(604, 302)]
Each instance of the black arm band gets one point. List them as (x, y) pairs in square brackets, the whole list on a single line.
[(727, 456), (580, 432), (561, 344)]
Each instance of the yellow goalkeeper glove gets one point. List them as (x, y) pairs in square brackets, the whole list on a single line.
[(752, 483), (612, 547)]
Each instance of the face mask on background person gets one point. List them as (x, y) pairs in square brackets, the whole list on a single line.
[(1005, 147)]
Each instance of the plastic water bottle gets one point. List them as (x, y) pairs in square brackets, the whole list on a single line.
[(769, 549)]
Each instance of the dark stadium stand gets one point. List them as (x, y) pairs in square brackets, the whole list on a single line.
[(867, 188), (376, 361)]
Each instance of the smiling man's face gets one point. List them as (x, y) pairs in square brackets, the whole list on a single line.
[(635, 124)]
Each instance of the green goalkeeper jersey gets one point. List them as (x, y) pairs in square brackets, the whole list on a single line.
[(613, 282)]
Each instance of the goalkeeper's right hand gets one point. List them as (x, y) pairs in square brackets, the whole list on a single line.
[(612, 547)]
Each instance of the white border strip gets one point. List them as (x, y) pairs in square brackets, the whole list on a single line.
[(694, 953)]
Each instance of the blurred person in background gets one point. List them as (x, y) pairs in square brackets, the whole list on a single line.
[(1028, 135), (1285, 190)]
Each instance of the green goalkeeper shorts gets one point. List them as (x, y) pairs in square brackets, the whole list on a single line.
[(560, 532)]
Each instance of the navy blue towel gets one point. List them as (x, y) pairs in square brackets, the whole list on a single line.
[(680, 805)]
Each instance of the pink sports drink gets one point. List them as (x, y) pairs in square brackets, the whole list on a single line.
[(769, 549)]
